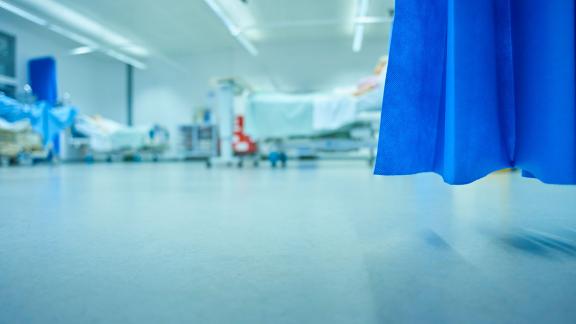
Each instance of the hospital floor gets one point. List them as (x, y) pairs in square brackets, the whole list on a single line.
[(314, 243)]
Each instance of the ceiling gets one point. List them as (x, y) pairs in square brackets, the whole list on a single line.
[(184, 27)]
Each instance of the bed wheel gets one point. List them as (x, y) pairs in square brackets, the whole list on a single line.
[(24, 159), (88, 159), (276, 157)]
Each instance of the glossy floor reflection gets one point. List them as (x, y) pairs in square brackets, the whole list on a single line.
[(328, 243)]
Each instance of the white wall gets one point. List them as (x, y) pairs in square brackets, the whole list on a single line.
[(96, 84), (162, 96)]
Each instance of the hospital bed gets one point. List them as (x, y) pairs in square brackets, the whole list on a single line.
[(94, 137), (324, 126), (19, 143), (31, 129)]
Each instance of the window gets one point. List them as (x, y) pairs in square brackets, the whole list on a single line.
[(7, 55), (7, 63)]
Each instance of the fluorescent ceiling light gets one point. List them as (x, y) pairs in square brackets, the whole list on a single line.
[(72, 36), (372, 20), (247, 44), (85, 41), (94, 45), (361, 11), (82, 50), (232, 27), (358, 38), (86, 25), (136, 50), (22, 13)]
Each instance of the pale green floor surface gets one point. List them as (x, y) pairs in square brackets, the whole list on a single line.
[(315, 243)]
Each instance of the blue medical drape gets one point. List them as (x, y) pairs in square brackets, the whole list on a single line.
[(46, 120), (477, 86)]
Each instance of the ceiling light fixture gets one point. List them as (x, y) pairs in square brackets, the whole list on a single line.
[(373, 20), (82, 50), (22, 13), (84, 41), (361, 11), (232, 28), (72, 36), (86, 25)]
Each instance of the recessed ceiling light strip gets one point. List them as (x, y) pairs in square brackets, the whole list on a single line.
[(87, 42), (232, 28), (22, 13), (361, 11)]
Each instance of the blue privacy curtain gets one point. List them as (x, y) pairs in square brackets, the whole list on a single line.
[(477, 86), (43, 79)]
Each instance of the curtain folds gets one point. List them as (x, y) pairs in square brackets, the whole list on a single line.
[(477, 86)]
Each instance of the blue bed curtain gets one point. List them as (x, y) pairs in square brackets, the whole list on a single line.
[(477, 86), (42, 76)]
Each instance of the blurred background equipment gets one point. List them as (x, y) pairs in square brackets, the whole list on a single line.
[(199, 141)]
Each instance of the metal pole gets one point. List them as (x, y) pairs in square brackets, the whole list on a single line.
[(130, 94)]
